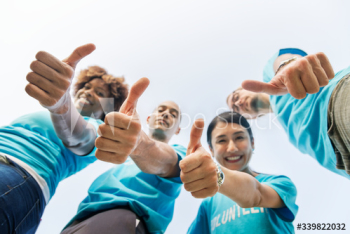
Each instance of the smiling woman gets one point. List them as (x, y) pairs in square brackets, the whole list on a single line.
[(241, 200), (96, 92)]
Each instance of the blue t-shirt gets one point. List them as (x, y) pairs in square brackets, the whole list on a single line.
[(305, 120), (149, 196), (220, 214), (33, 140)]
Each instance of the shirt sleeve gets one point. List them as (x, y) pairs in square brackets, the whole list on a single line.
[(288, 193), (200, 224), (95, 123), (269, 73)]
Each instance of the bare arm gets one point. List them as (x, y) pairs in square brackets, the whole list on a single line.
[(199, 176), (155, 157), (121, 136), (248, 192)]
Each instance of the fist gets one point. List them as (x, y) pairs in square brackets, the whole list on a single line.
[(304, 76), (198, 169), (120, 134), (51, 78)]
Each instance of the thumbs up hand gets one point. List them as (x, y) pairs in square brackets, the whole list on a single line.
[(198, 169), (120, 134), (50, 78), (305, 75)]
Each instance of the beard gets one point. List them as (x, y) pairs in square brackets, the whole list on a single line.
[(258, 104), (158, 135)]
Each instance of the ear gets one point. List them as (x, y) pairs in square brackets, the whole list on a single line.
[(147, 121), (211, 151), (252, 143), (178, 131)]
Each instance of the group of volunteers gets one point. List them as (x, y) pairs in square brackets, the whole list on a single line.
[(39, 150)]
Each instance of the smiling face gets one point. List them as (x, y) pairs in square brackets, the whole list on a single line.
[(93, 98), (248, 103), (164, 121), (231, 146)]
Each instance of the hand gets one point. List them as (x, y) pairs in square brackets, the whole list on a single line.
[(198, 169), (120, 133), (305, 75), (51, 78)]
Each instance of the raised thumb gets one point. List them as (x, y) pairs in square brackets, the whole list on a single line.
[(79, 53), (134, 94), (195, 136)]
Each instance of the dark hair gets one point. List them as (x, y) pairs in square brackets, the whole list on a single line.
[(228, 117), (116, 85)]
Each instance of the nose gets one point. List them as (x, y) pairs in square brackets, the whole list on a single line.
[(165, 114), (88, 93), (231, 147), (238, 102)]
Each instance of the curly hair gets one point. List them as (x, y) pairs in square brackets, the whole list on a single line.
[(117, 87)]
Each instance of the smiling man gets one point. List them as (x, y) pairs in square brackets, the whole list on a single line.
[(162, 120), (137, 196)]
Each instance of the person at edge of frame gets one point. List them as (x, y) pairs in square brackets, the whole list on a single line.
[(303, 92), (40, 149)]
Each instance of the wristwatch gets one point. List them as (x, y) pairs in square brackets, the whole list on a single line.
[(285, 62), (220, 174)]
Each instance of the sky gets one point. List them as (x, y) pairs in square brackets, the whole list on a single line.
[(194, 53)]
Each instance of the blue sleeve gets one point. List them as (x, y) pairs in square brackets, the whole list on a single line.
[(180, 150), (269, 73), (201, 223), (288, 193)]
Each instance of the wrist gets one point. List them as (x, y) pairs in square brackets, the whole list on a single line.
[(62, 105), (219, 173), (284, 63), (61, 110), (142, 146)]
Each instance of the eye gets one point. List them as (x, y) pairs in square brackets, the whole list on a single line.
[(221, 141), (235, 108), (100, 94), (173, 115), (240, 138)]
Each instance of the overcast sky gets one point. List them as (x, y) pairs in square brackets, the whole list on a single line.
[(194, 53)]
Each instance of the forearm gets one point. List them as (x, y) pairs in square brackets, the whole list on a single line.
[(76, 134), (155, 157), (241, 188), (248, 192)]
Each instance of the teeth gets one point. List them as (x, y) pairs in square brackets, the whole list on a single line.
[(85, 101), (233, 158)]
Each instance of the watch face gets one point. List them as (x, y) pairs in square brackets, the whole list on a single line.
[(220, 178), (219, 174)]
